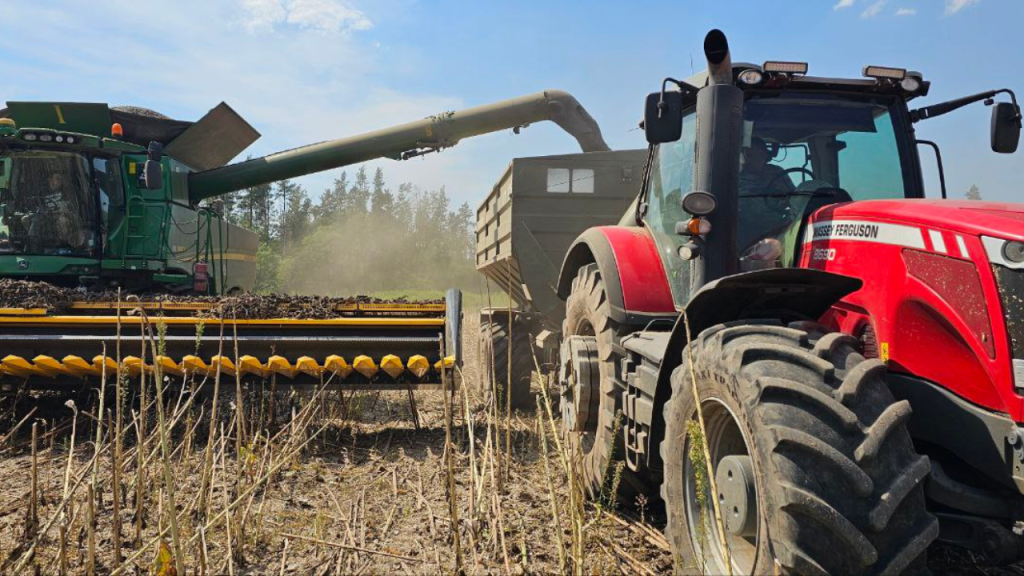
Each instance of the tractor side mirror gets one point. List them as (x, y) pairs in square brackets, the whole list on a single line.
[(663, 117), (1005, 127), (152, 175)]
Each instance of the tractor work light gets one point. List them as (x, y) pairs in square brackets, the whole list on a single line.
[(699, 203), (786, 67), (30, 137), (910, 84), (750, 77), (884, 73)]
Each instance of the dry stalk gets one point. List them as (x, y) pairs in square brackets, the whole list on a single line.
[(205, 484), (32, 517), (165, 450), (719, 522), (555, 516), (453, 501), (17, 426), (353, 548)]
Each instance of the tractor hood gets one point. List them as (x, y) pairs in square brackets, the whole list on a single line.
[(974, 217)]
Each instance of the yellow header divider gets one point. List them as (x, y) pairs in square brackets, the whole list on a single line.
[(22, 311)]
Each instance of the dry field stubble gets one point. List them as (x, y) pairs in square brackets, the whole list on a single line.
[(317, 483)]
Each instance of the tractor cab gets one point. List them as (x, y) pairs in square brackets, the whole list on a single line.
[(805, 143)]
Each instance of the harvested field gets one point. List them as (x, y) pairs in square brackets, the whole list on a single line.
[(330, 484)]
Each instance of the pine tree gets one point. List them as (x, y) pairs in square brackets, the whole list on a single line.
[(382, 202), (974, 193), (359, 194)]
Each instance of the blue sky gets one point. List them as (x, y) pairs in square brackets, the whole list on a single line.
[(308, 70)]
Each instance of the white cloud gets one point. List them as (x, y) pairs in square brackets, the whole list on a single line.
[(873, 10), (906, 12), (322, 15), (954, 6), (843, 4)]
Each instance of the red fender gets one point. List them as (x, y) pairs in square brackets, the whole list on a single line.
[(642, 277)]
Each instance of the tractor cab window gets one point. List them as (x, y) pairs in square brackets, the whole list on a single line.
[(672, 176), (802, 152), (47, 206)]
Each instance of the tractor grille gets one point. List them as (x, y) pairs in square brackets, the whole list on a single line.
[(1011, 293), (1010, 283)]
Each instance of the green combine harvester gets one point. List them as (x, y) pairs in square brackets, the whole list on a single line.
[(97, 199)]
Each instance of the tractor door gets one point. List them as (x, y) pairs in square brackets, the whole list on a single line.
[(671, 176)]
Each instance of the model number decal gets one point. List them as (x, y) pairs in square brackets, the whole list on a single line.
[(865, 231), (828, 254)]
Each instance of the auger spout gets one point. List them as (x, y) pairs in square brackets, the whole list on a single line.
[(405, 141)]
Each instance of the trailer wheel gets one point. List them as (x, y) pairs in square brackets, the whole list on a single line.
[(815, 470), (592, 428), (494, 339)]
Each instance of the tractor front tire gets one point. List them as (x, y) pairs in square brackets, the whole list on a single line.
[(815, 469), (600, 443), (494, 345)]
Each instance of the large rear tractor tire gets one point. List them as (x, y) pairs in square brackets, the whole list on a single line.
[(591, 404), (815, 470), (494, 344)]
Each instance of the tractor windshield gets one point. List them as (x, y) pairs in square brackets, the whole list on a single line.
[(800, 152), (803, 151), (47, 206)]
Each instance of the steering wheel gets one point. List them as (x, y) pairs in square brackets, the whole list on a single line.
[(788, 171)]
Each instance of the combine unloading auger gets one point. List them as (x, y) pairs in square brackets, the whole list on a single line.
[(155, 172)]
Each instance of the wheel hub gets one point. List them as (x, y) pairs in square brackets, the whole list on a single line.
[(579, 380), (736, 495)]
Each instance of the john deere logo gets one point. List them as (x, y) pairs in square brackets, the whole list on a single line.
[(22, 264)]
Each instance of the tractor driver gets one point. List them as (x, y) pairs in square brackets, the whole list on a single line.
[(759, 177), (761, 215)]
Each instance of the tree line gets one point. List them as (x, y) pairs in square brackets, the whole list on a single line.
[(358, 237)]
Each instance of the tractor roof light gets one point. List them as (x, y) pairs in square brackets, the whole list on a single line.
[(799, 68), (750, 77), (116, 130), (885, 73), (910, 84)]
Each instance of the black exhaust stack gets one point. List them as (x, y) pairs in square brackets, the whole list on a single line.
[(719, 139)]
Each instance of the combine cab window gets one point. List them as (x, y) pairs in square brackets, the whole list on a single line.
[(671, 176), (47, 206), (805, 151)]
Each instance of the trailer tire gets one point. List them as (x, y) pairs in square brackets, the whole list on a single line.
[(494, 339), (830, 482), (595, 449)]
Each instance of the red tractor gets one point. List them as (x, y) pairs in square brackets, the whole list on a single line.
[(856, 350)]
